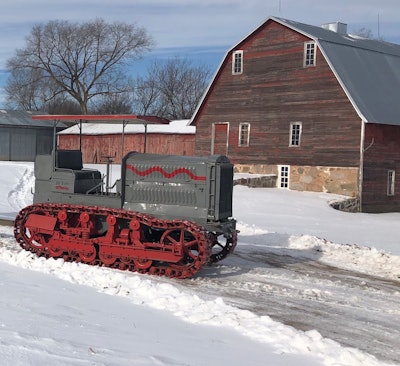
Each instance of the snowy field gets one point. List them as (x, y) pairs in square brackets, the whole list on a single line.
[(56, 313)]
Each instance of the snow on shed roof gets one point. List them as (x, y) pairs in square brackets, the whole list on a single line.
[(174, 127)]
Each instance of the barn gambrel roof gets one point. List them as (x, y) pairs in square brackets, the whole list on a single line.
[(368, 70)]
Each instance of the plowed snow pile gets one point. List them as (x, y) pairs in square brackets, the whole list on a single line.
[(54, 312)]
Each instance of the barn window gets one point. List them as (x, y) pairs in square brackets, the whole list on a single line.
[(284, 176), (244, 134), (237, 62), (390, 183), (309, 54), (295, 134)]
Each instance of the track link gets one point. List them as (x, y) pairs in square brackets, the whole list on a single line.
[(115, 238)]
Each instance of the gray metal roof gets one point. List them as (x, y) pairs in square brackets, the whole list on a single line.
[(368, 70), (24, 119)]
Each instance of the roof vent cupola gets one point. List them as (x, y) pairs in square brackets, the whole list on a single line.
[(337, 27)]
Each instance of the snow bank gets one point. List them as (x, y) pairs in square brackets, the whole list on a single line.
[(300, 223), (164, 294)]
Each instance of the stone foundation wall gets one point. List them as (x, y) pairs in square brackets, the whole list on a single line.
[(349, 205), (337, 180), (264, 181), (256, 169)]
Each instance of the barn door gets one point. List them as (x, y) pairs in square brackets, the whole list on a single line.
[(220, 138)]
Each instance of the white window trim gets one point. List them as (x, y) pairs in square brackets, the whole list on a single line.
[(247, 142), (234, 72), (281, 183), (314, 60), (391, 177), (291, 133)]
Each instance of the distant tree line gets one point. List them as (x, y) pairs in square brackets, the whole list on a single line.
[(171, 89), (81, 68)]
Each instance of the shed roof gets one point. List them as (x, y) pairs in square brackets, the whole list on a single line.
[(16, 118), (368, 70)]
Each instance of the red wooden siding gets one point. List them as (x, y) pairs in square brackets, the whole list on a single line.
[(220, 138), (382, 153), (274, 90), (96, 147)]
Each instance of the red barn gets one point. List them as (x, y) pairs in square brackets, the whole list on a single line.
[(101, 140), (315, 106)]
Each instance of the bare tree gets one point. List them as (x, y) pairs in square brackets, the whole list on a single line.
[(147, 96), (171, 89), (81, 60), (28, 90), (114, 104), (62, 105), (21, 89), (366, 33)]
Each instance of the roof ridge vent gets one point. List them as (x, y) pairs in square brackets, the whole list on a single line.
[(337, 27)]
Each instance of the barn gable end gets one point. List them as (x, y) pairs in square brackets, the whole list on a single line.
[(286, 101)]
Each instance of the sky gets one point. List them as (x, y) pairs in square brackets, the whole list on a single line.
[(201, 31)]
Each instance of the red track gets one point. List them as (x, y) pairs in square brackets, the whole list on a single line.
[(116, 238)]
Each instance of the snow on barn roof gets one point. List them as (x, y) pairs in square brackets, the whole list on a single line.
[(180, 127)]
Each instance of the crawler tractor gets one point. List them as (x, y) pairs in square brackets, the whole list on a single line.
[(167, 215)]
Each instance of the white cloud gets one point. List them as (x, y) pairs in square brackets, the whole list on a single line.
[(190, 23), (179, 27)]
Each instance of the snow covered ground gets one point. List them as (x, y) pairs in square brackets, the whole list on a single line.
[(53, 312)]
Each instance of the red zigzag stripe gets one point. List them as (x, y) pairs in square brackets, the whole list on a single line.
[(157, 168)]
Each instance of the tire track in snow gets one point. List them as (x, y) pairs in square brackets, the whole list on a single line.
[(355, 309)]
